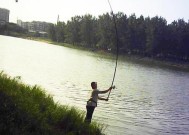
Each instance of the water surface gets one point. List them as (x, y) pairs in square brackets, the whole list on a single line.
[(148, 100)]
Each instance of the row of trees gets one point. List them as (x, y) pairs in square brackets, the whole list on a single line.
[(151, 37)]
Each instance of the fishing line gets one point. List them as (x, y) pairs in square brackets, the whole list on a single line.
[(117, 44)]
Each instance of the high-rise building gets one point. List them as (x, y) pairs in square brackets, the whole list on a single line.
[(4, 16)]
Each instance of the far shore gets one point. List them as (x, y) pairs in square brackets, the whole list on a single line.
[(146, 61)]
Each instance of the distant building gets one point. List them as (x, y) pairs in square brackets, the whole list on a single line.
[(19, 22), (4, 16), (35, 26)]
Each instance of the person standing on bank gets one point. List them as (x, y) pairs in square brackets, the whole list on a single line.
[(92, 102)]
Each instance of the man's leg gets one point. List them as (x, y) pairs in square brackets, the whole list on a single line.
[(90, 110)]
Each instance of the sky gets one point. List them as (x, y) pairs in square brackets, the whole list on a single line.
[(48, 10)]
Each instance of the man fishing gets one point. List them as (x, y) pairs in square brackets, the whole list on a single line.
[(92, 102)]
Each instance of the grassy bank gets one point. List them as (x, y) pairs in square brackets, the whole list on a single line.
[(28, 110)]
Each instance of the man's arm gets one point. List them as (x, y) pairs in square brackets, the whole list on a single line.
[(105, 91), (100, 98)]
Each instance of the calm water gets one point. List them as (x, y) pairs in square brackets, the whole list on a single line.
[(147, 101)]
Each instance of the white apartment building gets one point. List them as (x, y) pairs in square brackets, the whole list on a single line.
[(4, 16), (34, 26)]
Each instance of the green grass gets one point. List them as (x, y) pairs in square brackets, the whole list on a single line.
[(29, 110)]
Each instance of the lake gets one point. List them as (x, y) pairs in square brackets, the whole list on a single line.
[(147, 100)]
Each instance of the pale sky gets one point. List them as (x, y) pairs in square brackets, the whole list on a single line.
[(48, 10)]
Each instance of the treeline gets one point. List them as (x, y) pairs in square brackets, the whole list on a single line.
[(150, 37)]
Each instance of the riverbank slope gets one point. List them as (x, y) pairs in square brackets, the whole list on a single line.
[(29, 110)]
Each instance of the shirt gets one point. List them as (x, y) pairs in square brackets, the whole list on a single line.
[(94, 98)]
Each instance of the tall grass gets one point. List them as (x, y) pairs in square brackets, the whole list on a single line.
[(29, 110)]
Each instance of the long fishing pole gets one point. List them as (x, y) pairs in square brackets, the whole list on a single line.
[(117, 44)]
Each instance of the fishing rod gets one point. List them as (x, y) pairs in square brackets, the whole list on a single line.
[(117, 48), (117, 44)]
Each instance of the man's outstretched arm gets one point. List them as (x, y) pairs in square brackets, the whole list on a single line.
[(105, 91), (100, 98)]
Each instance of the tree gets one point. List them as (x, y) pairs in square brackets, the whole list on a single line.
[(60, 31), (73, 30), (52, 32), (88, 31), (105, 31), (122, 28)]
